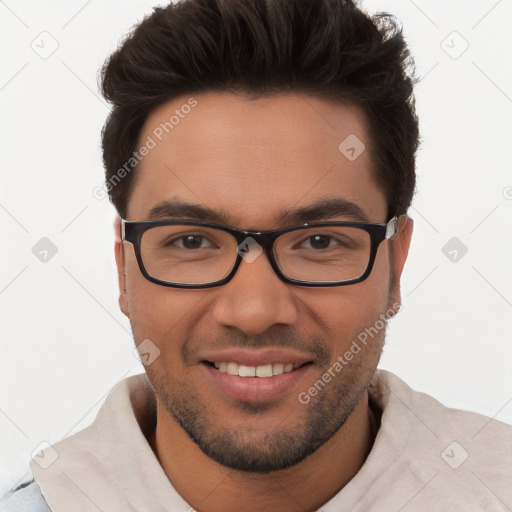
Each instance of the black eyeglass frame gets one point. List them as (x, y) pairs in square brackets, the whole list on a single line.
[(132, 231)]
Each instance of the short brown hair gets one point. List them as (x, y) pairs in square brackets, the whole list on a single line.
[(327, 48)]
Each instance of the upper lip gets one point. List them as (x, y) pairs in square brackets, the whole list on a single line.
[(258, 357)]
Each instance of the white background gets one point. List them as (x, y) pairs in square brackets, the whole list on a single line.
[(64, 342)]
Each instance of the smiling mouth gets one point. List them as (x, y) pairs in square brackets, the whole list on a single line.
[(261, 371)]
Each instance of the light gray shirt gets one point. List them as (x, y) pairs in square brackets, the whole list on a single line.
[(426, 457)]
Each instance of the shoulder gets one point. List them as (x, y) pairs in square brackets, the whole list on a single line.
[(389, 392), (25, 498), (459, 454), (395, 397)]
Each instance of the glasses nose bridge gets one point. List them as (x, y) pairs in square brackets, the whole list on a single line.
[(264, 239)]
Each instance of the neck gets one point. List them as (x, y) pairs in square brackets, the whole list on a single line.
[(208, 486)]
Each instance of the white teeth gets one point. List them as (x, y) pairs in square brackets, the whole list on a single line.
[(278, 369), (266, 370), (247, 371), (233, 368)]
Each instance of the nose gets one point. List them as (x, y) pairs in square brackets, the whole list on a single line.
[(255, 299)]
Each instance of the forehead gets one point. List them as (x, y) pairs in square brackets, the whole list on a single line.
[(255, 158)]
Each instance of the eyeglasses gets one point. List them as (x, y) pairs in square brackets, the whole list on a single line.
[(193, 254)]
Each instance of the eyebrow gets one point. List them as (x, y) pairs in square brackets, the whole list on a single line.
[(323, 209)]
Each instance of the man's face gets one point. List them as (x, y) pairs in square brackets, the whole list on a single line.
[(253, 160)]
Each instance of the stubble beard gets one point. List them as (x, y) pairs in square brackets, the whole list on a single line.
[(253, 451)]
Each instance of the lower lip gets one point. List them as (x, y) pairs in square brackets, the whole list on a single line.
[(256, 389)]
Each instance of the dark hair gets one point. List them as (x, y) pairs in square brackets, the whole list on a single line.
[(326, 48)]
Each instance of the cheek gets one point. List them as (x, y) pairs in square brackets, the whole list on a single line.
[(347, 311), (158, 312)]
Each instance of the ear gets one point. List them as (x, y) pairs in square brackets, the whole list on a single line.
[(399, 249), (121, 275)]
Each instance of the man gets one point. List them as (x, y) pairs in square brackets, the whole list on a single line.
[(260, 155)]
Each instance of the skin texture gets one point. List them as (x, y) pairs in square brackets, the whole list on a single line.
[(252, 158)]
